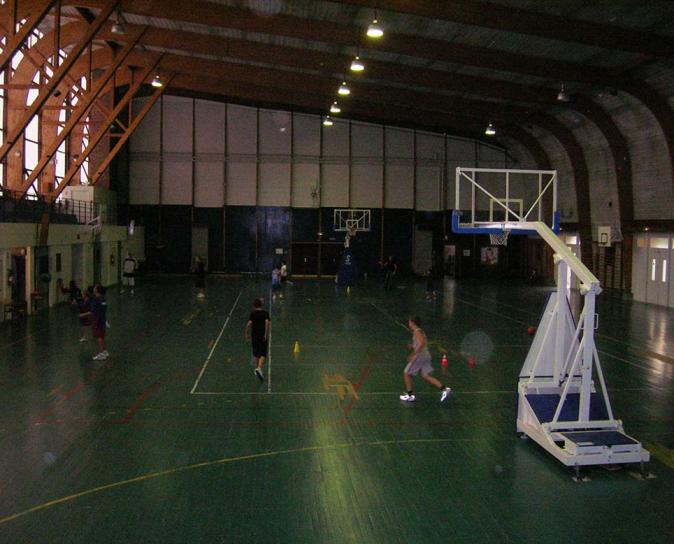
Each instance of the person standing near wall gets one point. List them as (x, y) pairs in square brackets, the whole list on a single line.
[(390, 270), (99, 308), (129, 272), (199, 271)]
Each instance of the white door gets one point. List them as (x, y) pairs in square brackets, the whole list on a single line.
[(657, 281)]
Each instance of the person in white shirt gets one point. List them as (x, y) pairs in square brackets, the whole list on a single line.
[(284, 272), (129, 272)]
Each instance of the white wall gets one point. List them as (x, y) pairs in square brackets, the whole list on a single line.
[(62, 240), (212, 154)]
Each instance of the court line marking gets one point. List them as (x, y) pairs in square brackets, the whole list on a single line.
[(203, 368), (269, 348), (222, 461), (375, 393), (387, 314)]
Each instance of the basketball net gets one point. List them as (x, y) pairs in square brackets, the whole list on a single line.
[(499, 239)]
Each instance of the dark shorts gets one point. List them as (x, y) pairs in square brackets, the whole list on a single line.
[(259, 348), (99, 332)]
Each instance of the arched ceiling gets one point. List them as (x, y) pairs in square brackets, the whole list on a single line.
[(448, 66)]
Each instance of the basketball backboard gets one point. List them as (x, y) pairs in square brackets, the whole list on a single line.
[(494, 200)]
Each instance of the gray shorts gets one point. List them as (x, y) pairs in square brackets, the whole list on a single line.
[(422, 363)]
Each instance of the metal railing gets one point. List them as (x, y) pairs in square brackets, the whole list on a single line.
[(66, 211)]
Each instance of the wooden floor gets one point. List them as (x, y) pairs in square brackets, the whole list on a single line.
[(174, 440)]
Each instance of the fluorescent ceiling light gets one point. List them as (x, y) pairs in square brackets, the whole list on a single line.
[(374, 30), (357, 65)]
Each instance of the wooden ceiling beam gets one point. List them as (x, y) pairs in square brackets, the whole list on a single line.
[(227, 17)]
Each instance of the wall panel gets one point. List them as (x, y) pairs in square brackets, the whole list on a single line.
[(399, 143), (306, 135), (366, 185), (241, 184), (241, 130), (274, 184), (275, 133), (145, 186), (366, 140), (146, 137), (210, 127), (176, 185), (209, 185), (336, 139), (335, 186), (177, 113), (399, 185), (305, 184)]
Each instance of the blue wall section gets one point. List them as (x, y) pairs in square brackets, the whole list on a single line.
[(213, 219), (273, 232), (398, 227), (175, 240), (240, 238)]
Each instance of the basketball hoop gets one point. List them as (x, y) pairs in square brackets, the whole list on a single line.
[(499, 239)]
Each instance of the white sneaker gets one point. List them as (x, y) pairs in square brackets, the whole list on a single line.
[(106, 353), (83, 339), (407, 397), (445, 394), (201, 295), (100, 357)]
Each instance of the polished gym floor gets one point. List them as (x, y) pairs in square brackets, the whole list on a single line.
[(173, 439)]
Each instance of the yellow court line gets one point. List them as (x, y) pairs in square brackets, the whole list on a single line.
[(661, 453), (177, 470)]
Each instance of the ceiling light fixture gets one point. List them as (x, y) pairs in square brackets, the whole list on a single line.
[(373, 29), (343, 89), (334, 108), (357, 65), (562, 96), (490, 130), (156, 82), (327, 122), (118, 25)]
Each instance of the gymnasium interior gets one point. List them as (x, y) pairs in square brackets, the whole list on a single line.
[(500, 171)]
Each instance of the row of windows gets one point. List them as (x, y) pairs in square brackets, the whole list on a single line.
[(32, 140)]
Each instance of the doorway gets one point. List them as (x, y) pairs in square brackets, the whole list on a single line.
[(304, 259)]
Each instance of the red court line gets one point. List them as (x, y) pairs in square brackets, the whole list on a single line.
[(363, 374), (70, 393), (175, 376), (139, 402)]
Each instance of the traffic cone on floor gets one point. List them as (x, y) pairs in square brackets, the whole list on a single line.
[(296, 349), (471, 361), (445, 362)]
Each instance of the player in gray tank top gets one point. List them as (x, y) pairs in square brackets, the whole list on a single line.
[(419, 361)]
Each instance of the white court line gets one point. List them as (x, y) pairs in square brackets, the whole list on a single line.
[(269, 347), (203, 368), (399, 323), (375, 393), (650, 369)]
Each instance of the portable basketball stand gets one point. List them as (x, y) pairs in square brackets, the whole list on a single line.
[(559, 405)]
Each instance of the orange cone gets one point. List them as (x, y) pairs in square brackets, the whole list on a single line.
[(444, 360), (471, 361)]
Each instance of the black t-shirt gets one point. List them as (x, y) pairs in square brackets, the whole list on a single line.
[(258, 319)]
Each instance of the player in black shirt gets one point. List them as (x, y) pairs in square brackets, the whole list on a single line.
[(257, 332)]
